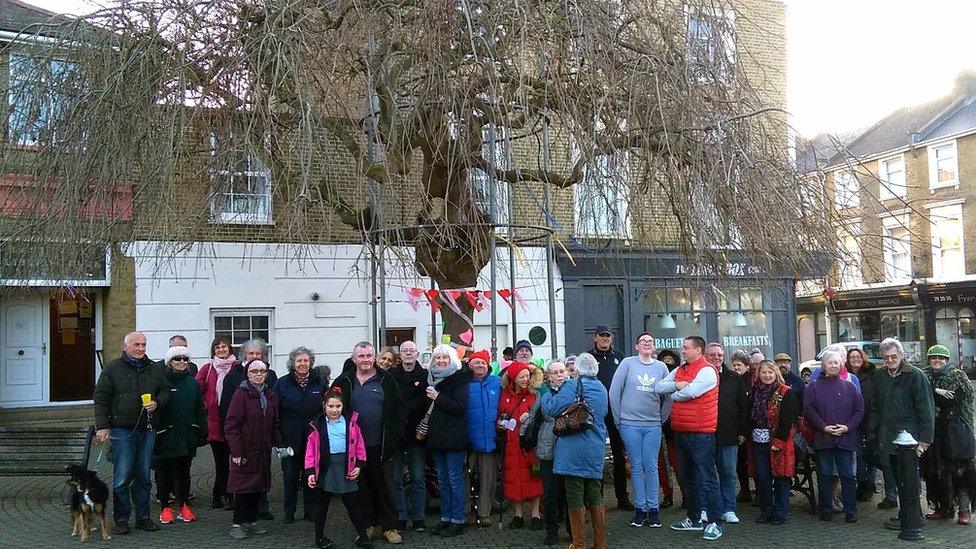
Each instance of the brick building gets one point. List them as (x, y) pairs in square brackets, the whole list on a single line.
[(240, 275), (908, 197)]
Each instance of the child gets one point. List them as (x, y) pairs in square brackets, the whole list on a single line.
[(334, 455)]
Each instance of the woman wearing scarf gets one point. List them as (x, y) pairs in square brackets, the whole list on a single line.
[(947, 466), (251, 429), (774, 411), (447, 388), (210, 377), (299, 403)]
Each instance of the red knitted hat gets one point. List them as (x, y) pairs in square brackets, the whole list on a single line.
[(515, 368), (482, 354)]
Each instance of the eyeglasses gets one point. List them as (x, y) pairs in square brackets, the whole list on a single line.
[(259, 372), (645, 341), (181, 359)]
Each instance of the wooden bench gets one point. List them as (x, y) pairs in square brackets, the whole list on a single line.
[(39, 451)]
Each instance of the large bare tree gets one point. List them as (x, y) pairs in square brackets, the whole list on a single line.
[(373, 116)]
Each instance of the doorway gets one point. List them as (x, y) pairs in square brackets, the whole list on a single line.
[(396, 336), (72, 339), (22, 350)]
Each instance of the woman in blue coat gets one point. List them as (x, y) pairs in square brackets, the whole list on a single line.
[(299, 402), (579, 457)]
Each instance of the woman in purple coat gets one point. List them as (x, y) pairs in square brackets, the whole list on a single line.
[(251, 430)]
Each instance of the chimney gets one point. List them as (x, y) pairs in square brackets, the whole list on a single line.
[(965, 83)]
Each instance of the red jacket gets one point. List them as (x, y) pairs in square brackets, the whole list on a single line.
[(698, 415), (517, 480)]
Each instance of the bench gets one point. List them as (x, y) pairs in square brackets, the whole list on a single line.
[(803, 482), (39, 451)]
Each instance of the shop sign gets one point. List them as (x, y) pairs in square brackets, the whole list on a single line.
[(732, 269), (901, 299), (730, 342), (668, 342), (950, 296)]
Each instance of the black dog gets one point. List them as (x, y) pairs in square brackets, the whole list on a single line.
[(88, 500)]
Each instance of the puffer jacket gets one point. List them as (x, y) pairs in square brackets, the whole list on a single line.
[(482, 412), (182, 424), (118, 393), (583, 454), (545, 448), (317, 446)]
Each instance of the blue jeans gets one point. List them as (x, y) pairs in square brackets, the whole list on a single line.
[(450, 477), (890, 483), (726, 460), (696, 465), (643, 444), (411, 500), (132, 452), (774, 492), (841, 461)]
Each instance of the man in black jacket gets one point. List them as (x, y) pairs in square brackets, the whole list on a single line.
[(128, 392), (733, 425), (411, 500), (375, 395), (609, 359)]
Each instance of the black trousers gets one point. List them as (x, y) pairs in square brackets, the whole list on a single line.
[(292, 481), (352, 503), (553, 497), (619, 463), (221, 455), (246, 507), (173, 477), (904, 462), (742, 469), (376, 489)]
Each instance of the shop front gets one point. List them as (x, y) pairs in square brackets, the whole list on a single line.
[(951, 315), (739, 308), (877, 314)]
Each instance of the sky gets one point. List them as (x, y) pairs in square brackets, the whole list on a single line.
[(851, 61)]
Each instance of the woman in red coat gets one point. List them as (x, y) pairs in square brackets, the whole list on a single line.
[(520, 383), (775, 408)]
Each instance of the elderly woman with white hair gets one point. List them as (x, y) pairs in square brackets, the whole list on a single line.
[(447, 435), (834, 409), (579, 457), (299, 403)]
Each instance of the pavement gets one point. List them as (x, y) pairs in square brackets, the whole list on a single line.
[(33, 513)]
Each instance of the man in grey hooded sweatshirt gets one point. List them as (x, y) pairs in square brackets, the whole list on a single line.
[(639, 412)]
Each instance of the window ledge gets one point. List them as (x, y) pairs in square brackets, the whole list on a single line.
[(242, 221), (947, 185)]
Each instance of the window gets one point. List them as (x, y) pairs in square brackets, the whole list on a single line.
[(893, 179), (37, 97), (711, 45), (497, 148), (897, 248), (742, 320), (943, 166), (243, 324), (601, 198), (947, 241), (849, 262), (242, 183), (846, 188), (673, 314)]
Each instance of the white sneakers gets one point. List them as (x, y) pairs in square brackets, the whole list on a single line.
[(730, 518)]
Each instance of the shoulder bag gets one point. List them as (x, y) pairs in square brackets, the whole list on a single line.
[(576, 418)]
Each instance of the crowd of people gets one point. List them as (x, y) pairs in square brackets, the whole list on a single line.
[(542, 433)]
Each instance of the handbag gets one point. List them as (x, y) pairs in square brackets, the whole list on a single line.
[(424, 425), (529, 437), (576, 418)]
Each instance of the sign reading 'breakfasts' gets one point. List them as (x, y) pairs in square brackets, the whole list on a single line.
[(746, 341)]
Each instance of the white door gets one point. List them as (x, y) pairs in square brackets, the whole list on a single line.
[(22, 351)]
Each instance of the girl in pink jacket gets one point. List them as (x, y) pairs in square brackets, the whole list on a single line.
[(334, 456)]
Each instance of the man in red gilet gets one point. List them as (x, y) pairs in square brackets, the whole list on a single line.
[(693, 386)]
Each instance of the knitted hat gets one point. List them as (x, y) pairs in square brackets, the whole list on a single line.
[(523, 344), (174, 352), (482, 354), (515, 368), (938, 350)]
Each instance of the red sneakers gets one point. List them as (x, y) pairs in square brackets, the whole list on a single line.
[(186, 514), (167, 516), (963, 518)]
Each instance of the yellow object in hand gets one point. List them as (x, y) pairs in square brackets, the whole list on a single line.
[(146, 399)]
